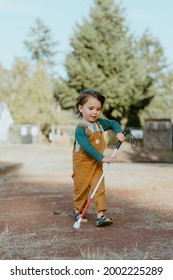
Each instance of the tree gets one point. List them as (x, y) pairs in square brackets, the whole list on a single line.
[(106, 57), (13, 82), (40, 44), (162, 104), (28, 94), (150, 55)]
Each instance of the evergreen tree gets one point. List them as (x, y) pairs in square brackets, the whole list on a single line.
[(106, 57), (162, 104), (150, 55), (40, 44)]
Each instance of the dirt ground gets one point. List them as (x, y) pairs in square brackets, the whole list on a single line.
[(36, 196)]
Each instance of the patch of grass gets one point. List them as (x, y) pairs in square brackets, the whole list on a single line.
[(93, 253), (48, 243), (105, 254), (130, 254), (4, 251)]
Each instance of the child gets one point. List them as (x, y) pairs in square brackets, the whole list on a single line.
[(88, 155)]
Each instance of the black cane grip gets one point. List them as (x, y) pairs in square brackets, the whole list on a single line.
[(119, 142)]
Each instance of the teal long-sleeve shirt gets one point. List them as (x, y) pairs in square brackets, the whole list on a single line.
[(83, 140)]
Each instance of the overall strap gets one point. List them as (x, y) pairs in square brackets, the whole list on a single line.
[(85, 126), (88, 129)]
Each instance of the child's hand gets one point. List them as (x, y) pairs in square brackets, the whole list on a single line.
[(109, 159), (120, 136)]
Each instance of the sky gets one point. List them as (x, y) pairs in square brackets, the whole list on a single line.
[(61, 16)]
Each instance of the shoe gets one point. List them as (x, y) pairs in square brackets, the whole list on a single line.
[(103, 221), (77, 216)]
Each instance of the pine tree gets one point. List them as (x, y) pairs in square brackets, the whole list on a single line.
[(162, 104), (40, 44), (150, 80), (106, 57)]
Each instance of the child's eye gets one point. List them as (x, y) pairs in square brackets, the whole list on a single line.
[(92, 108)]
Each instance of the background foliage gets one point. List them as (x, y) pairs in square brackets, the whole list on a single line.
[(131, 72), (106, 56)]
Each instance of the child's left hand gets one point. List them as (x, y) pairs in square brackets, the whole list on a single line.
[(120, 137)]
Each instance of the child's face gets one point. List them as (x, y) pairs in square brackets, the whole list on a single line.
[(91, 110)]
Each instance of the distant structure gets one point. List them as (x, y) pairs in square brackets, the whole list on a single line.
[(158, 134), (5, 121), (24, 134)]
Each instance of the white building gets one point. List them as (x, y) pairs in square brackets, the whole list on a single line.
[(5, 121)]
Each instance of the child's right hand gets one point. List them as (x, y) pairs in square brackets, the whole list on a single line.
[(109, 159)]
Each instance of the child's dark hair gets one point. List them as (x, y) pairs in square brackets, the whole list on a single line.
[(83, 98)]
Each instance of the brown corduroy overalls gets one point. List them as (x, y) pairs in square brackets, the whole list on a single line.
[(87, 171)]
